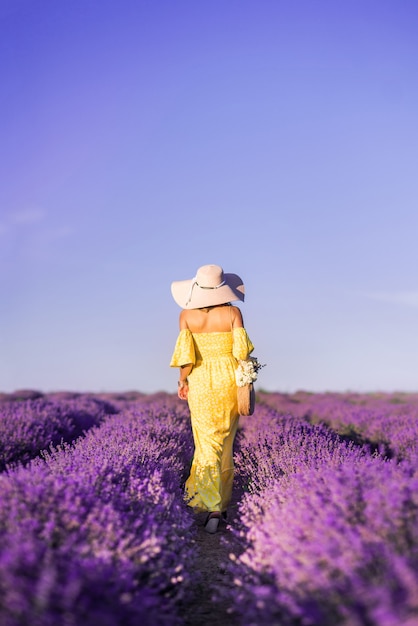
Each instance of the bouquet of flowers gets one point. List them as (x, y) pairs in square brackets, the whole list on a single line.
[(247, 371)]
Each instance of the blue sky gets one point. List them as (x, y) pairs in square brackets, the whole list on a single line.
[(141, 140)]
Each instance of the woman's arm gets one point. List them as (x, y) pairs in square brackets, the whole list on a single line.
[(183, 319), (183, 385), (237, 321)]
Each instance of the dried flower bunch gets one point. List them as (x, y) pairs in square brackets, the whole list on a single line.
[(247, 371)]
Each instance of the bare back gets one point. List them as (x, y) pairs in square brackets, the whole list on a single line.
[(211, 320)]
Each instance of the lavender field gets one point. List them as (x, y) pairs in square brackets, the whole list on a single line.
[(94, 528)]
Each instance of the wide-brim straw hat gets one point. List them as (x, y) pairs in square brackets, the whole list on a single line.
[(211, 286)]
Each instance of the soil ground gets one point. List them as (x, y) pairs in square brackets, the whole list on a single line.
[(210, 607)]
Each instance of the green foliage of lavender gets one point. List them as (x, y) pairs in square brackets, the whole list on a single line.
[(97, 532), (329, 525)]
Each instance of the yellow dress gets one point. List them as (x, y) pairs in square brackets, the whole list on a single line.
[(214, 413)]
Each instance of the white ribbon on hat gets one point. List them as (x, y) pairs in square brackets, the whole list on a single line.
[(194, 282)]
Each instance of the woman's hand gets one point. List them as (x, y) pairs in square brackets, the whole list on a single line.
[(183, 390)]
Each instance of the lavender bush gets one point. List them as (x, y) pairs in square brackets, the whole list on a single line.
[(98, 532), (29, 426), (95, 530), (387, 422), (329, 528)]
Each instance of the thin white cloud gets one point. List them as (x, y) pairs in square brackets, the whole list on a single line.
[(406, 298), (23, 217), (30, 215)]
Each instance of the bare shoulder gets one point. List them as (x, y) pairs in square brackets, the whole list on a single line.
[(237, 317), (183, 319)]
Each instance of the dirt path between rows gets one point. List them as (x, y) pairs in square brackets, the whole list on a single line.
[(209, 607)]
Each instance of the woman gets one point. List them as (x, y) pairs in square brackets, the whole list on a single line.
[(212, 338)]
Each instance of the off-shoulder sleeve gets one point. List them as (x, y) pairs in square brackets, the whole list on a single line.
[(242, 344), (184, 349)]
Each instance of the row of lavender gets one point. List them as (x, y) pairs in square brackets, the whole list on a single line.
[(329, 527), (97, 531), (387, 422), (31, 425)]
